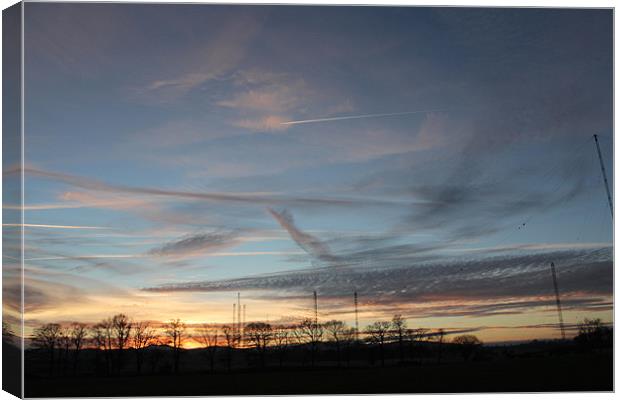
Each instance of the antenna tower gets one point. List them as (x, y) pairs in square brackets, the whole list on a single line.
[(600, 159), (557, 300), (357, 323), (316, 310)]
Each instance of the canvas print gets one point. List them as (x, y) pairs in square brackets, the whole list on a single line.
[(205, 199)]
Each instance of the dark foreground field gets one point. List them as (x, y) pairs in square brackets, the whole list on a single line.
[(569, 372)]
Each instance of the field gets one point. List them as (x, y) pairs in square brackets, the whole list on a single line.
[(562, 372)]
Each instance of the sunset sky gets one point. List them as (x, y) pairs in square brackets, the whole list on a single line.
[(178, 154)]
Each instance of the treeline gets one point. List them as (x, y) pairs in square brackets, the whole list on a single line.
[(333, 342)]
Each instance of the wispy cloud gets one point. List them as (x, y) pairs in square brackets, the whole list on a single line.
[(86, 257), (310, 244), (489, 286), (212, 59), (268, 123), (195, 245), (47, 226), (236, 197)]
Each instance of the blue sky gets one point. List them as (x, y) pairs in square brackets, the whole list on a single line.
[(161, 158)]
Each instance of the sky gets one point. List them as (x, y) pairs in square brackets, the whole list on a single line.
[(435, 160)]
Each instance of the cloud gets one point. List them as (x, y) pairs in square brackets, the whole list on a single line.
[(310, 244), (271, 99), (504, 284), (269, 123), (47, 226), (236, 197), (475, 205), (195, 245), (86, 199), (211, 59)]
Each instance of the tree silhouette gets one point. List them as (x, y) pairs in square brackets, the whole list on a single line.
[(399, 328), (414, 337), (281, 340), (467, 344), (348, 339), (231, 339), (593, 334), (103, 336), (64, 345), (440, 336), (78, 336), (46, 338), (143, 336), (121, 327), (335, 330), (313, 333), (175, 329), (207, 336), (377, 334), (259, 335)]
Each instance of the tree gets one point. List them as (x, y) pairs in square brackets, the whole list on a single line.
[(121, 327), (103, 336), (231, 339), (78, 336), (467, 344), (312, 331), (207, 336), (259, 334), (399, 328), (377, 334), (416, 336), (440, 336), (143, 336), (593, 334), (348, 339), (64, 346), (336, 330), (46, 338), (281, 341), (175, 329)]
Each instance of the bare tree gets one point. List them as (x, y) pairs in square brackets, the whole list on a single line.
[(175, 329), (78, 336), (64, 347), (348, 339), (414, 337), (230, 338), (335, 329), (313, 333), (143, 336), (122, 329), (46, 338), (377, 333), (399, 330), (468, 344), (281, 341), (259, 335), (103, 336), (593, 334), (208, 336), (440, 337)]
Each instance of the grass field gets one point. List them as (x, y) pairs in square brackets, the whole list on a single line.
[(570, 372)]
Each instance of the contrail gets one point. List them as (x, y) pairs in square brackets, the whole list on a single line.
[(55, 226), (311, 121)]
